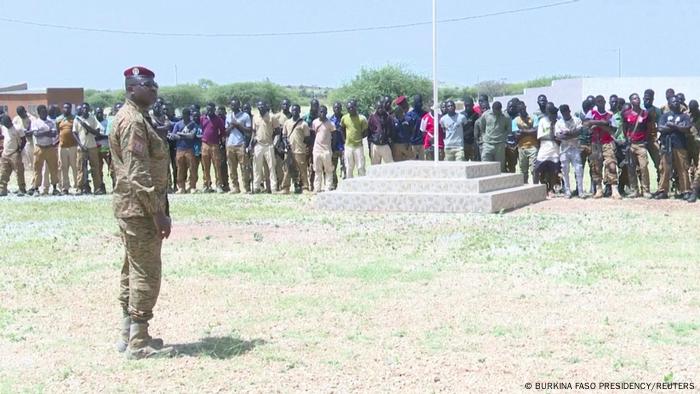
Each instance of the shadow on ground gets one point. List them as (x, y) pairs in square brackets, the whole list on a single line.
[(217, 347)]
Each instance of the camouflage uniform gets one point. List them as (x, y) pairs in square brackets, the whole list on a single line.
[(140, 160)]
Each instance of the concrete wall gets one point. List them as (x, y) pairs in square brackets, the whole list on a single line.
[(574, 91), (10, 101)]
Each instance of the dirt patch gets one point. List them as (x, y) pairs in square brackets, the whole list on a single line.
[(640, 205), (250, 233)]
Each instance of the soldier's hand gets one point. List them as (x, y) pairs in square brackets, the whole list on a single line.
[(163, 225)]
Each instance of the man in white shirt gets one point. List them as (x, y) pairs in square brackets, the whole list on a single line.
[(87, 128), (45, 136), (567, 130), (11, 158)]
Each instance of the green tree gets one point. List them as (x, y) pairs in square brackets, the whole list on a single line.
[(251, 92), (103, 98), (371, 84)]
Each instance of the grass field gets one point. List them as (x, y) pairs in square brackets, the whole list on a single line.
[(264, 294)]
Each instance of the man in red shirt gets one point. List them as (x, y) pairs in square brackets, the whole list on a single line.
[(427, 126), (603, 148), (213, 130), (635, 122)]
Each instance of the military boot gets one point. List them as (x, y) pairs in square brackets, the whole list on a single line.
[(598, 191), (123, 341), (141, 345)]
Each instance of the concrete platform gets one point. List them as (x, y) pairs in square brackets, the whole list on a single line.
[(423, 186)]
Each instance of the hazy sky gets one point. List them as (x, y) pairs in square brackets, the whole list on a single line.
[(580, 39)]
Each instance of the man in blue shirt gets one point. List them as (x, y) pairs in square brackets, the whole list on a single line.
[(186, 133), (413, 118), (337, 144), (401, 140), (239, 127)]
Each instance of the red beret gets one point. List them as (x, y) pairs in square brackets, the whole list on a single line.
[(138, 71), (400, 100)]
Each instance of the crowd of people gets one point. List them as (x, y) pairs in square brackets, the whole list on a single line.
[(288, 152)]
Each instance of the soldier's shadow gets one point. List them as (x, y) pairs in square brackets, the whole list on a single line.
[(217, 347)]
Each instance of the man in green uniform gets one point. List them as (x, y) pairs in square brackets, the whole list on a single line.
[(140, 160)]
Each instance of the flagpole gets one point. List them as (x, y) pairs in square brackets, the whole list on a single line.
[(436, 116)]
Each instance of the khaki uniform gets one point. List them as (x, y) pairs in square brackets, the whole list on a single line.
[(11, 158), (264, 152), (295, 136), (140, 160), (28, 151), (92, 153)]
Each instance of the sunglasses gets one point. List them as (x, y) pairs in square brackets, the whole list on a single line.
[(149, 84)]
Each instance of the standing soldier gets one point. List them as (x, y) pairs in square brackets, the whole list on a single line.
[(22, 122), (11, 158), (87, 129), (140, 159), (45, 152), (635, 122), (603, 148), (295, 131), (337, 144), (414, 117), (527, 143), (239, 126), (652, 134), (674, 126)]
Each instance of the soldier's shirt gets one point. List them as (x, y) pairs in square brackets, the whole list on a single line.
[(140, 160), (281, 118), (12, 138), (65, 131), (86, 139), (47, 129), (296, 135), (264, 128), (494, 128), (527, 140), (324, 133), (21, 124)]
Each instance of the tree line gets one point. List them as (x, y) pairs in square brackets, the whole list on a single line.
[(366, 87)]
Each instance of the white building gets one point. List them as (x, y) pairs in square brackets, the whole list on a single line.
[(574, 91)]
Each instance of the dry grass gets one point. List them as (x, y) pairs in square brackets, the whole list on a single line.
[(264, 294)]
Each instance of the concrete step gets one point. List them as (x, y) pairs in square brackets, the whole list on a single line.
[(414, 169), (493, 201), (432, 185)]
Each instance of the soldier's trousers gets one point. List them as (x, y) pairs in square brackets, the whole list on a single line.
[(106, 161), (8, 164), (301, 167), (511, 158), (380, 154), (28, 156), (68, 163), (235, 155), (401, 152), (654, 152), (337, 156), (45, 155), (264, 154), (323, 167), (527, 158), (494, 152), (454, 154), (638, 153), (418, 152), (604, 159), (676, 160), (141, 269), (93, 157), (211, 156), (186, 162), (470, 152), (354, 156)]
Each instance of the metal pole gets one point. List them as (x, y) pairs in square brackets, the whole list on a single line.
[(176, 75), (436, 105), (619, 63)]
